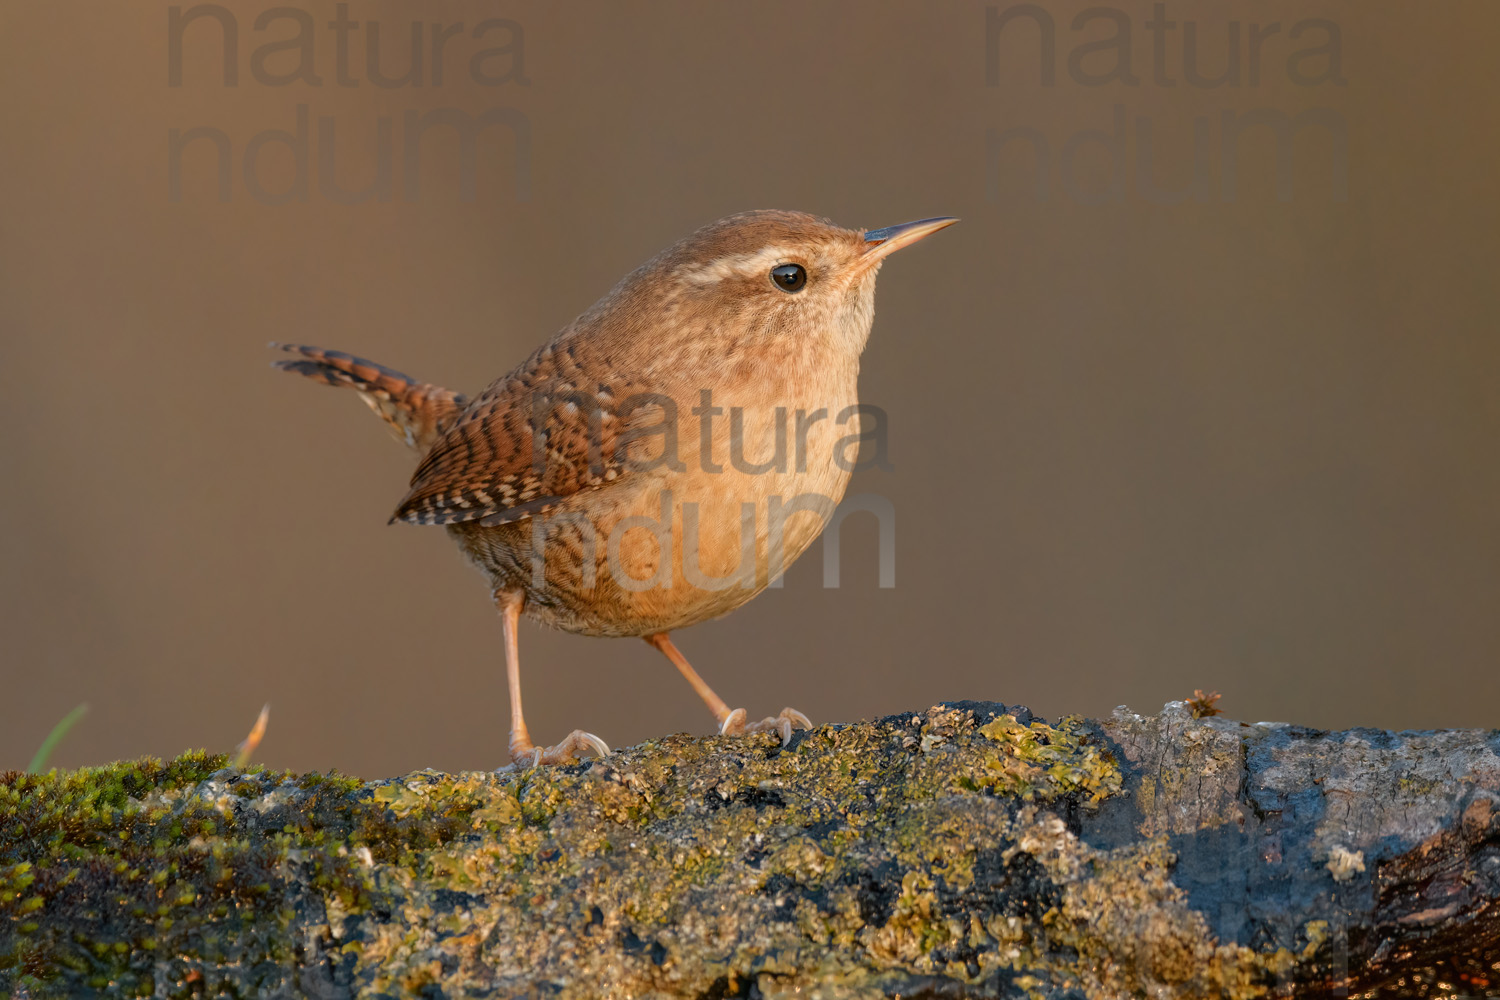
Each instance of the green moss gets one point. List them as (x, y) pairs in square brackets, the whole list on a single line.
[(113, 873)]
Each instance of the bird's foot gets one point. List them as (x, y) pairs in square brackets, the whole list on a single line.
[(527, 755), (734, 724)]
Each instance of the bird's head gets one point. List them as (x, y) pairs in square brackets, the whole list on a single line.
[(750, 280)]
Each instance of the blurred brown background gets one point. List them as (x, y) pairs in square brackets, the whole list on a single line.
[(1138, 448)]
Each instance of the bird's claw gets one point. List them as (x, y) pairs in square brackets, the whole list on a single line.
[(790, 719), (565, 752)]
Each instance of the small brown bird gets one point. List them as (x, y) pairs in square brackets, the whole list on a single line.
[(663, 457)]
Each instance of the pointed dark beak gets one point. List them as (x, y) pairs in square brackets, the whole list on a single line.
[(881, 243)]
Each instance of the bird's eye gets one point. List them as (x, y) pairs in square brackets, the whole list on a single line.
[(789, 277)]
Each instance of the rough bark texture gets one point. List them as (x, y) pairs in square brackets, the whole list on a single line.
[(967, 851)]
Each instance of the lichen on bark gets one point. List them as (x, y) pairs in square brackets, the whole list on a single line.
[(968, 850)]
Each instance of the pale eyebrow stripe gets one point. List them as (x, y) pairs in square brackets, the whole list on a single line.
[(735, 265)]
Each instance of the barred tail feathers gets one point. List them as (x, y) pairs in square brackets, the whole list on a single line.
[(417, 413)]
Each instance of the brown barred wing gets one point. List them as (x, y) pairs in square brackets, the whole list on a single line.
[(519, 448)]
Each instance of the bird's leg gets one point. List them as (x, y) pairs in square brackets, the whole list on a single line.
[(731, 721), (522, 750)]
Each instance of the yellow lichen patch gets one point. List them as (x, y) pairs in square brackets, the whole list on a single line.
[(909, 934), (399, 799), (1038, 761), (1317, 933)]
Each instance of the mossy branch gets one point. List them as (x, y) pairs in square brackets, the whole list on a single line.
[(969, 850)]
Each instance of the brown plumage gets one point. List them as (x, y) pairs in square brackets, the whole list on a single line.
[(615, 483)]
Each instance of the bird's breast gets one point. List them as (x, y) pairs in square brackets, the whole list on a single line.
[(728, 478)]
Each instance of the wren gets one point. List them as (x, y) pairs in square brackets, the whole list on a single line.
[(580, 488)]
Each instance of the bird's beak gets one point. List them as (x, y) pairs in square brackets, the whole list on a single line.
[(881, 243)]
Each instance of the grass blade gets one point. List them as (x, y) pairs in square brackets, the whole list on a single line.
[(55, 737), (257, 733)]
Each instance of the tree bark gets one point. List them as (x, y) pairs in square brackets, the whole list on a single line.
[(970, 850)]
